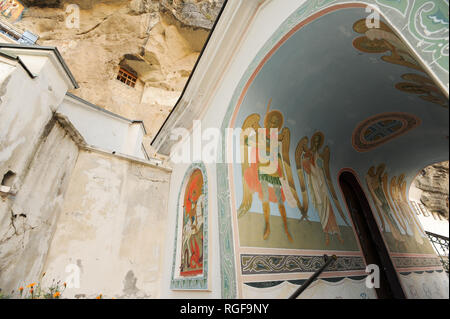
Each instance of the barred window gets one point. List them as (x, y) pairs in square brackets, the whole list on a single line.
[(127, 78)]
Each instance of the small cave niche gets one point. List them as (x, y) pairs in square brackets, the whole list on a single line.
[(8, 179)]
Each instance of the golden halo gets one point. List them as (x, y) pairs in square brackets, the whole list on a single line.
[(271, 114), (322, 139)]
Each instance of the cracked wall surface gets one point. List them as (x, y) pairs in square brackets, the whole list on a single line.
[(64, 204), (37, 155), (29, 218), (112, 222), (27, 136)]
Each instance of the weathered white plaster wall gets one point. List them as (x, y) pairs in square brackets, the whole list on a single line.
[(103, 129), (320, 289), (425, 285), (26, 107), (41, 155), (28, 220), (112, 221), (112, 227)]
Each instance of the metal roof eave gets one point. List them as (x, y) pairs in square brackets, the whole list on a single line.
[(45, 48)]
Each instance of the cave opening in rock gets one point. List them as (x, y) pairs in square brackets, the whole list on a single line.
[(430, 189), (8, 179)]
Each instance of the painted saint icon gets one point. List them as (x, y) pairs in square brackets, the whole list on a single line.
[(192, 232), (11, 9)]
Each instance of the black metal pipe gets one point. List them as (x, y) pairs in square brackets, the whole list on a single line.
[(328, 262)]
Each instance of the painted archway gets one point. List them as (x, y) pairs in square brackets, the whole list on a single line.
[(320, 76)]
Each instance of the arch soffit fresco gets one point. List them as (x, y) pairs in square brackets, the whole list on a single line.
[(421, 32)]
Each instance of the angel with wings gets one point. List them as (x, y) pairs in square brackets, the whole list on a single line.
[(377, 182), (400, 202), (274, 184), (316, 166)]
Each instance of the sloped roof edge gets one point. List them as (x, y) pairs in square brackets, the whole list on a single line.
[(45, 48), (98, 108)]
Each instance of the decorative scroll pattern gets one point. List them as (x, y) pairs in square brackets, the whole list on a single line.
[(228, 275), (427, 23), (413, 262), (266, 264), (423, 24)]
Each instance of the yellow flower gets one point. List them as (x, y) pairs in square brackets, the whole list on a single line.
[(99, 296), (56, 294), (31, 285)]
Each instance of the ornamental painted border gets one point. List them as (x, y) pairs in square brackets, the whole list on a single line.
[(194, 283), (416, 262), (426, 39), (254, 264)]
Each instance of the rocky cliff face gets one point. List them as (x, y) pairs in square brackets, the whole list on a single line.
[(159, 41), (434, 183)]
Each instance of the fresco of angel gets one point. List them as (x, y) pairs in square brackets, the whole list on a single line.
[(315, 164), (381, 40), (377, 183), (384, 40), (273, 185), (278, 186), (398, 195)]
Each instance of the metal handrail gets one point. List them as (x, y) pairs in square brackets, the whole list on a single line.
[(439, 241), (437, 235), (328, 262)]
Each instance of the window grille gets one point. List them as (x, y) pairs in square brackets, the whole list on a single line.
[(127, 78)]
